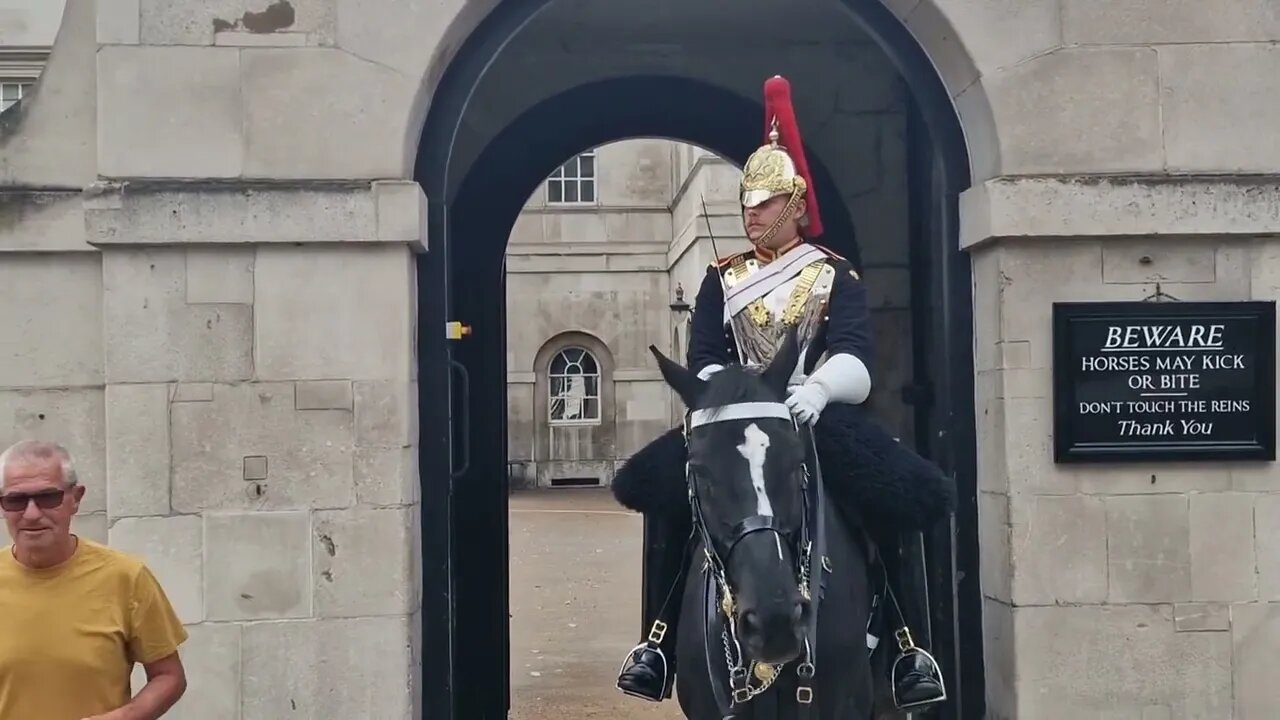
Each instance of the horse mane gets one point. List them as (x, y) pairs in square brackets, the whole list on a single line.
[(734, 384)]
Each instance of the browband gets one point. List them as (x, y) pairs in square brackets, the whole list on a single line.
[(739, 411)]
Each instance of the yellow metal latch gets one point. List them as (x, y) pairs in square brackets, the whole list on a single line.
[(456, 331)]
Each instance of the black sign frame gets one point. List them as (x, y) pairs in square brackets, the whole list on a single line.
[(1067, 381)]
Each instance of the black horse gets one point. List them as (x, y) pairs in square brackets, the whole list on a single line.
[(774, 618)]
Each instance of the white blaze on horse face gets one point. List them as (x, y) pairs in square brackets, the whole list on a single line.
[(755, 447)]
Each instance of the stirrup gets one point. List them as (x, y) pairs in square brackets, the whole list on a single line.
[(651, 644), (909, 659)]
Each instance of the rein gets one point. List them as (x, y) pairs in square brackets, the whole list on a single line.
[(812, 541)]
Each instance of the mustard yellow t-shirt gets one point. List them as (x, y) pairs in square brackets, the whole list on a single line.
[(70, 634)]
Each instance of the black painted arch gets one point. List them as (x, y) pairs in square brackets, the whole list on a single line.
[(520, 157)]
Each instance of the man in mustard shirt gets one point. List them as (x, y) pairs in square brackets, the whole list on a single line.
[(75, 615)]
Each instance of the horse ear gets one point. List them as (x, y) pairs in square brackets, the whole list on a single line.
[(784, 363), (687, 384)]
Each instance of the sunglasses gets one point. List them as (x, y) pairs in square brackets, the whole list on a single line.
[(17, 502)]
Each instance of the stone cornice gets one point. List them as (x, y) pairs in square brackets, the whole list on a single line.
[(1120, 207), (238, 212)]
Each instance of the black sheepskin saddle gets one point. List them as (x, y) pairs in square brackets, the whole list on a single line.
[(864, 468)]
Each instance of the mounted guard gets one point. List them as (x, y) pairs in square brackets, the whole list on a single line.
[(747, 304)]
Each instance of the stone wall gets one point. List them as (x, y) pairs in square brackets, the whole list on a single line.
[(233, 371), (1117, 590)]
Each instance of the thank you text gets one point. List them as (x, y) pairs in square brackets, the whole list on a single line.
[(1164, 381)]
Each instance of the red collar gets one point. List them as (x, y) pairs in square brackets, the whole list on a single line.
[(765, 256)]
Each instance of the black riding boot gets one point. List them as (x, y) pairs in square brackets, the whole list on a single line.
[(649, 670), (914, 674)]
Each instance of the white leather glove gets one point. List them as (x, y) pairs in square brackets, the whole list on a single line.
[(807, 401)]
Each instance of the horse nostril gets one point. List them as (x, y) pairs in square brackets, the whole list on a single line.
[(750, 622)]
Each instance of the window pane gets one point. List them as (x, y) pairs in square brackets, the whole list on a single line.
[(587, 166), (554, 191), (593, 386), (570, 168), (588, 191), (571, 192), (591, 409), (9, 92)]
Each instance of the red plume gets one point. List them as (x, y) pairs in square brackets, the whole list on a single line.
[(777, 104)]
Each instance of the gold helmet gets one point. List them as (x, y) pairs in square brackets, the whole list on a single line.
[(780, 169)]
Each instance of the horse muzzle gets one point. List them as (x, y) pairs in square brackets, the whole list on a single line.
[(774, 634)]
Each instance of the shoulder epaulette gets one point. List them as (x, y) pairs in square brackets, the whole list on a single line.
[(727, 260), (829, 251), (837, 256)]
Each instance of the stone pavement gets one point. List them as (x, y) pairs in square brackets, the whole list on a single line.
[(575, 606)]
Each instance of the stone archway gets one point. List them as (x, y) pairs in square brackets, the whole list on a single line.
[(479, 205)]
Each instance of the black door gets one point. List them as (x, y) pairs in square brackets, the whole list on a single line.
[(462, 385)]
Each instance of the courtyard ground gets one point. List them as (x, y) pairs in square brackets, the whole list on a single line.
[(575, 606)]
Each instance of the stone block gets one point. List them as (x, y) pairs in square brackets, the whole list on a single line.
[(233, 214), (211, 656), (1126, 207), (386, 476), (343, 543), (1216, 103), (1149, 549), (89, 525), (154, 335), (1046, 106), (1059, 549), (195, 22), (50, 309), (173, 549), (983, 36), (72, 418), (193, 392), (1167, 22), (1000, 663), (257, 566), (200, 133), (1118, 662), (402, 213), (119, 22), (1255, 636), (386, 413), (1223, 566), (995, 537), (289, 113), (1131, 480), (403, 34), (308, 454), (366, 670), (1202, 617), (137, 450), (232, 38), (323, 395), (42, 221), (306, 326), (1267, 527), (220, 275), (1167, 260)]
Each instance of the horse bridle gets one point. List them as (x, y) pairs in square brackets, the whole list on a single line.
[(811, 530)]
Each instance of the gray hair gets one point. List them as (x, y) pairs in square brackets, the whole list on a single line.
[(40, 450)]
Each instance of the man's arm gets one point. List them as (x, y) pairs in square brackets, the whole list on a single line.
[(166, 682), (155, 633), (708, 349)]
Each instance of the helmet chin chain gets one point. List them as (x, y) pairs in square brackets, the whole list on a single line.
[(783, 217)]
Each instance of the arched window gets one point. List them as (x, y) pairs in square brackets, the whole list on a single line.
[(573, 387)]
